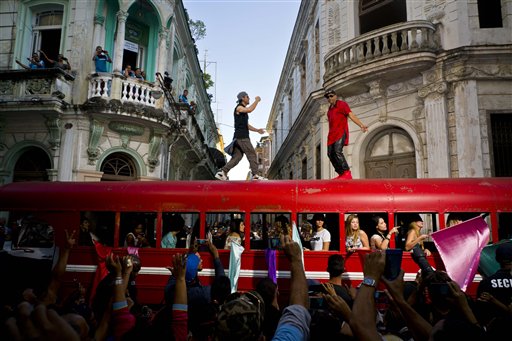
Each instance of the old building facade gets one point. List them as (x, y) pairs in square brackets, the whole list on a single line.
[(86, 125), (431, 79)]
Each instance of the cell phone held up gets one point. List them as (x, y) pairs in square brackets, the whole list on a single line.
[(393, 263), (202, 245)]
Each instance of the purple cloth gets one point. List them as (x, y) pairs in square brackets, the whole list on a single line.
[(460, 246), (270, 258)]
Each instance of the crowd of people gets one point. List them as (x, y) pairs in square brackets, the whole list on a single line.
[(432, 307)]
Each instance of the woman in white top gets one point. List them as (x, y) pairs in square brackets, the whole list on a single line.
[(355, 238), (235, 234), (321, 238), (380, 240)]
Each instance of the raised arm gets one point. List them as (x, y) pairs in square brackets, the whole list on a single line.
[(250, 108), (46, 57), (418, 326), (60, 269), (362, 320), (298, 283)]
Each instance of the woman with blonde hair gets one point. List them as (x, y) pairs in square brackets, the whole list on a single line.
[(355, 238), (413, 235)]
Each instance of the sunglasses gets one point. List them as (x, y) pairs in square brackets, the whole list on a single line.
[(330, 96)]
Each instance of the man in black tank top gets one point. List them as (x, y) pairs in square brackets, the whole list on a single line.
[(243, 143)]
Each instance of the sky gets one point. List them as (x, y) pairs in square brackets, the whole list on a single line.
[(246, 43)]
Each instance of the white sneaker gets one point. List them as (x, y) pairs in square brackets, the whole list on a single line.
[(221, 175), (258, 177)]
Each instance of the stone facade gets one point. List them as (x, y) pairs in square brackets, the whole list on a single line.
[(84, 125), (428, 78)]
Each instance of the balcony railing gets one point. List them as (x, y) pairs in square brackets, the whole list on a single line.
[(108, 86), (37, 86), (392, 41)]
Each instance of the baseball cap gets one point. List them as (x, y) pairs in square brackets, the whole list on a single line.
[(241, 95), (329, 92), (504, 252), (241, 318)]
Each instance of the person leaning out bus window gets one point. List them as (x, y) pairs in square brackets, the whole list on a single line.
[(235, 234), (321, 238), (414, 237), (170, 238), (136, 238), (356, 239), (380, 240)]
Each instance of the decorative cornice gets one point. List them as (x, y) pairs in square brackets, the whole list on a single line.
[(435, 89)]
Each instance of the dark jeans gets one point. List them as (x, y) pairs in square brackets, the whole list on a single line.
[(243, 146), (335, 154)]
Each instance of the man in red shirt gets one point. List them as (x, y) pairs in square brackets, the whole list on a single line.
[(337, 115)]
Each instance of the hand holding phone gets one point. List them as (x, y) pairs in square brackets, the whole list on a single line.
[(393, 263)]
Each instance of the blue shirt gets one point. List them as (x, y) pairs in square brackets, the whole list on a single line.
[(101, 62)]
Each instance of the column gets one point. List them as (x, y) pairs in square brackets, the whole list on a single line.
[(467, 123), (436, 126), (98, 26), (119, 47), (163, 36)]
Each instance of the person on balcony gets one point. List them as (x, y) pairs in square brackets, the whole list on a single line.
[(34, 63), (138, 74), (128, 72), (101, 58), (61, 62), (338, 115)]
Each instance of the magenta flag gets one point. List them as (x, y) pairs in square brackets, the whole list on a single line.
[(460, 246)]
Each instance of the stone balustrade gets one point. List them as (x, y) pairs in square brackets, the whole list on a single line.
[(389, 42), (39, 85), (127, 90)]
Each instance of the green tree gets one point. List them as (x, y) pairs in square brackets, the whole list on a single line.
[(197, 28), (208, 82)]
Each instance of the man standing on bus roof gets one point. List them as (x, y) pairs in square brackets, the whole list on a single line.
[(243, 143), (337, 115)]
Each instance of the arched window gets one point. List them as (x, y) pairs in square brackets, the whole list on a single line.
[(391, 155), (47, 30), (118, 167), (32, 166)]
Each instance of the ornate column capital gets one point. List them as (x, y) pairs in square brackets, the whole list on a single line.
[(434, 89), (99, 19), (122, 16), (54, 127)]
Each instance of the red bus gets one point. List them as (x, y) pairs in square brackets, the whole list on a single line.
[(113, 209)]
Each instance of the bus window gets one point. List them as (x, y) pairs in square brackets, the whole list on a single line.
[(266, 228), (218, 226), (176, 227), (367, 225), (427, 222), (505, 225), (454, 218), (100, 224), (138, 229), (331, 223)]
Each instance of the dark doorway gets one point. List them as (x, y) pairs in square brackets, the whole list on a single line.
[(32, 166), (130, 58), (50, 43)]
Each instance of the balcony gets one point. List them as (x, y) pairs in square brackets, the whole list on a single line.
[(127, 90), (393, 53), (41, 90)]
